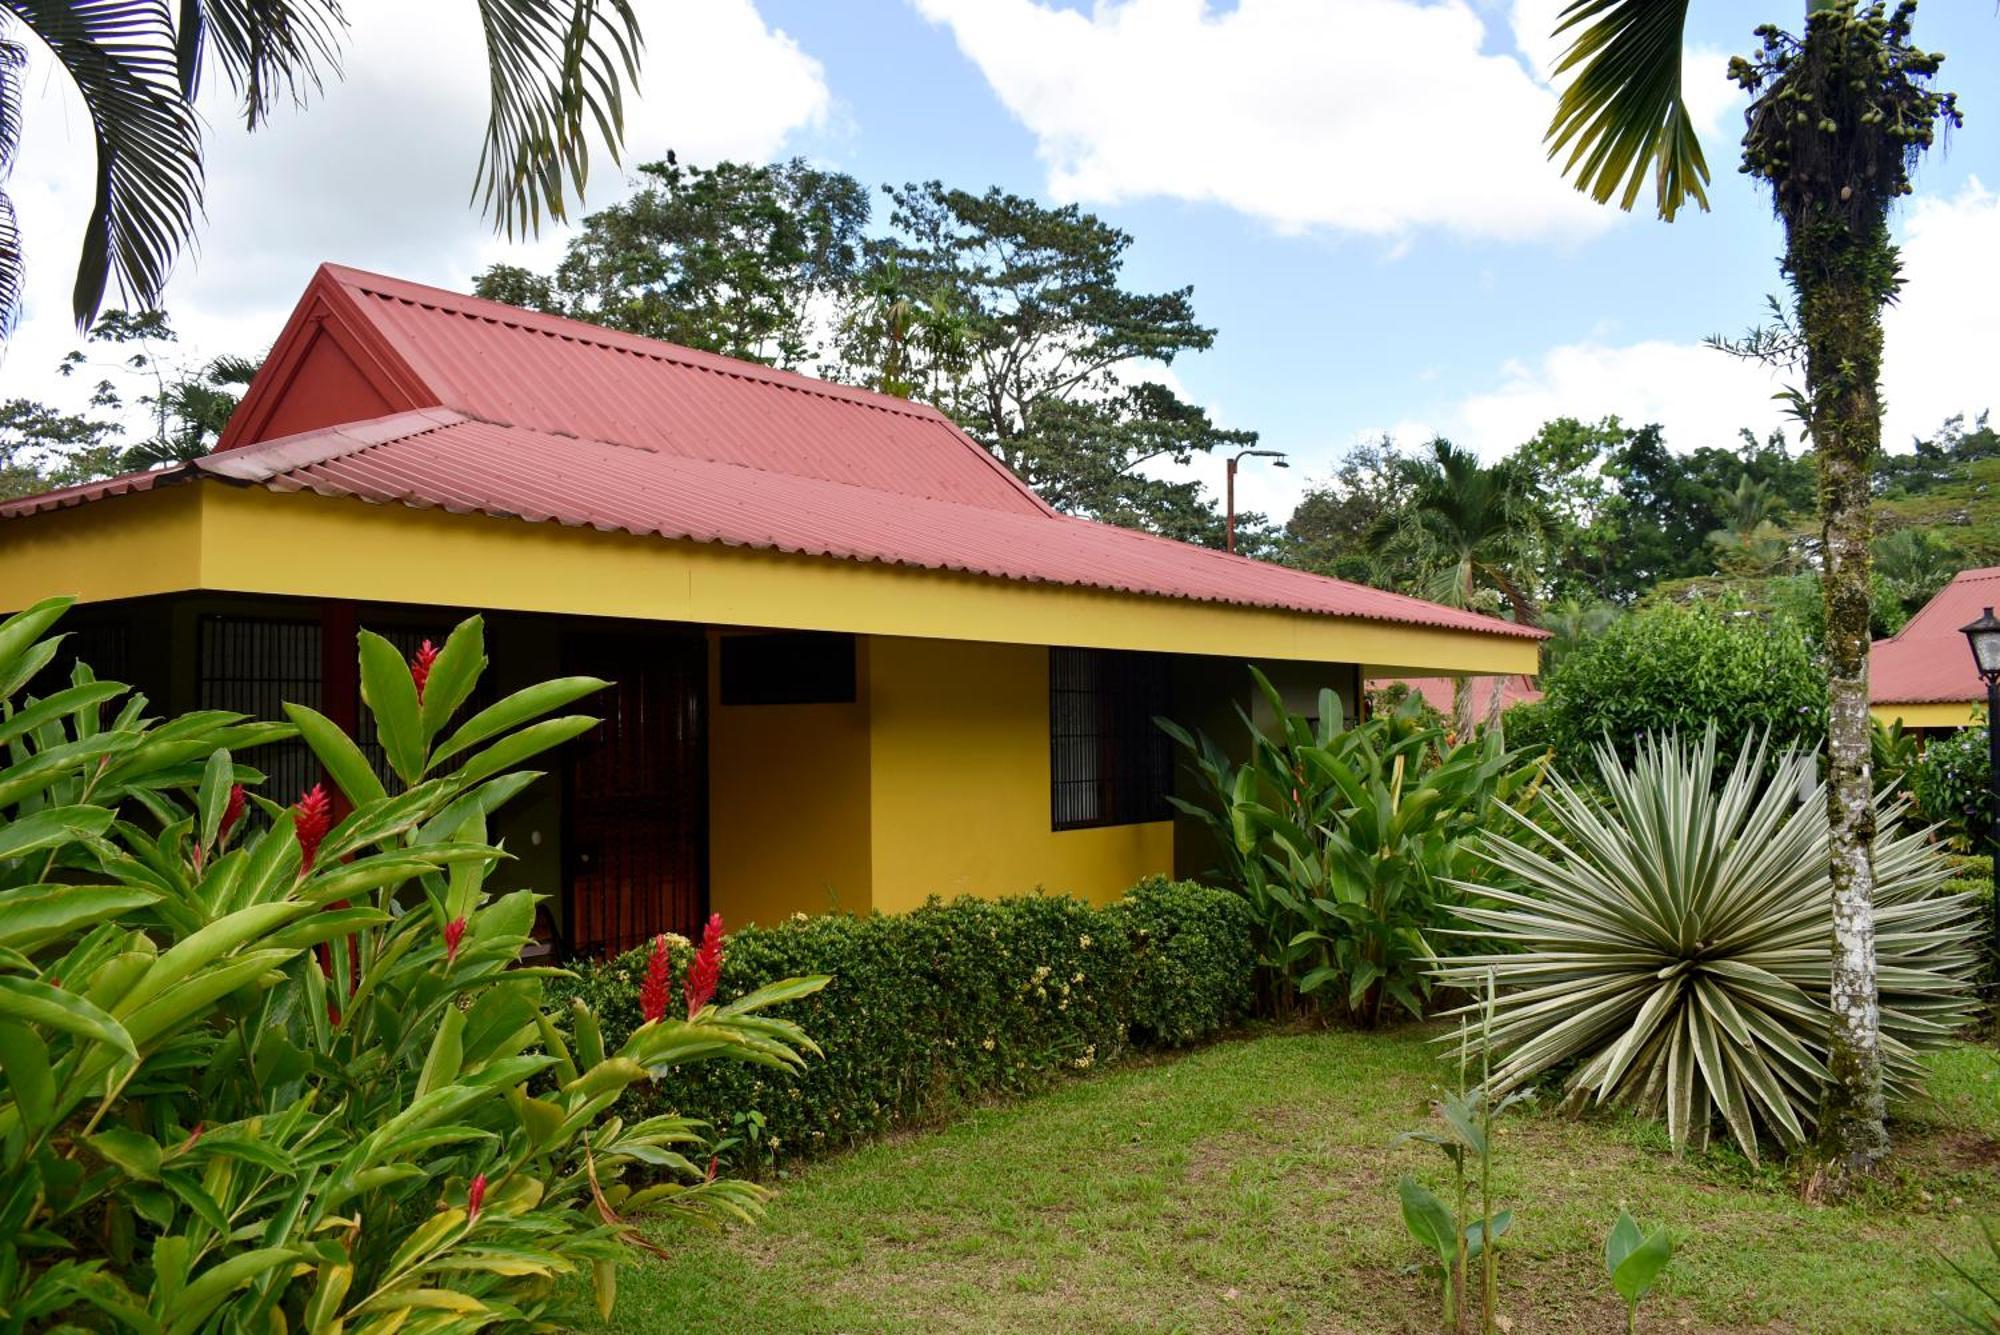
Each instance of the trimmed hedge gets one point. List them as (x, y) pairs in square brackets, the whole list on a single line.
[(948, 1004)]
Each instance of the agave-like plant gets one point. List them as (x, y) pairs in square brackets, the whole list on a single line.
[(1675, 942)]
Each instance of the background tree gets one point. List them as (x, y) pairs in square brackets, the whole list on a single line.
[(557, 73), (737, 258), (1331, 531), (1914, 563), (146, 408), (1839, 118), (1474, 532), (1566, 460), (1059, 358)]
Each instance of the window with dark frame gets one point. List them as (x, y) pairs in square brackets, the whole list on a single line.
[(1109, 763), (788, 668)]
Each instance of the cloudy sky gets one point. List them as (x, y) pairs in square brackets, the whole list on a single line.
[(1354, 188)]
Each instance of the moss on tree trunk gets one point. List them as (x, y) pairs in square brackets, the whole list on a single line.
[(1840, 117)]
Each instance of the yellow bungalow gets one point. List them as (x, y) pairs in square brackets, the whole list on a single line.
[(1923, 676), (858, 662)]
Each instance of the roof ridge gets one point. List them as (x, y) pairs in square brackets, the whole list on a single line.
[(265, 459), (546, 325)]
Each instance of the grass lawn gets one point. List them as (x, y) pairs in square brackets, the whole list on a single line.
[(1251, 1186)]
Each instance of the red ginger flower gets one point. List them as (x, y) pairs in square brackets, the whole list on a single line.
[(454, 932), (707, 970), (311, 819), (653, 992), (475, 1199), (232, 811), (420, 667)]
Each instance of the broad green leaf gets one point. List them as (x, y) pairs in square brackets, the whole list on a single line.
[(207, 1290), (32, 915), (1634, 1275), (335, 750), (33, 1002), (454, 674), (51, 828), (524, 744), (1428, 1220), (521, 707), (391, 696), (133, 1153), (24, 1059)]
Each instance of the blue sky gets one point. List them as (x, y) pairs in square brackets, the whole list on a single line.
[(1351, 187)]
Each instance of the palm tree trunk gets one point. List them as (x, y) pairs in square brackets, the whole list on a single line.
[(1462, 709), (1842, 322), (1843, 115)]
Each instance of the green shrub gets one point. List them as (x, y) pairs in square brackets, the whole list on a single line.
[(1675, 668), (949, 1004), (1705, 993), (1346, 841), (1528, 727), (1951, 785), (266, 1071)]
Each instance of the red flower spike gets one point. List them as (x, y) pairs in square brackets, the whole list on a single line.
[(711, 1169), (707, 970), (454, 932), (653, 992), (232, 811), (311, 819), (420, 667), (475, 1198)]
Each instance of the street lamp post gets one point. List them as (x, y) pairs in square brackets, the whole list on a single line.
[(1229, 528), (1984, 637)]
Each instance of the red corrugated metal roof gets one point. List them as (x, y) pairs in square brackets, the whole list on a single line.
[(1928, 660), (549, 374), (546, 419)]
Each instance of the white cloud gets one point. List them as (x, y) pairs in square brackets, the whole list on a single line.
[(377, 171), (1943, 336), (1367, 116), (1942, 343)]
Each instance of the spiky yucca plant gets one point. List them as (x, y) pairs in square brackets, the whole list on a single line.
[(1675, 942)]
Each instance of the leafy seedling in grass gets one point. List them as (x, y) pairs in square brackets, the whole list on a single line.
[(1635, 1262), (1466, 1137), (1432, 1223)]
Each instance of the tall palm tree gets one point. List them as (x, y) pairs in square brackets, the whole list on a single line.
[(1838, 119), (1473, 532), (557, 70)]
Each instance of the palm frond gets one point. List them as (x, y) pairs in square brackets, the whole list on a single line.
[(1622, 116), (13, 63), (122, 57), (552, 65), (266, 49)]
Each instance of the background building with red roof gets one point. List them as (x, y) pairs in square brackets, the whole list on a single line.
[(857, 661), (1923, 675)]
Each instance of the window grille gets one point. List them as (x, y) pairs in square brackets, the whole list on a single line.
[(1109, 763), (254, 667)]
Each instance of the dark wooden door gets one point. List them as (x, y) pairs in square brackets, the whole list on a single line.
[(636, 846)]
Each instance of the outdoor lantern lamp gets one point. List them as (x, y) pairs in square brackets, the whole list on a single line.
[(1984, 637), (1229, 531)]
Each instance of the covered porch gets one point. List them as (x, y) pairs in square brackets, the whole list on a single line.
[(785, 734)]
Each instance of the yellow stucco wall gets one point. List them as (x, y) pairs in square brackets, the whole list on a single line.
[(959, 779), (788, 805), (250, 540), (1933, 715)]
